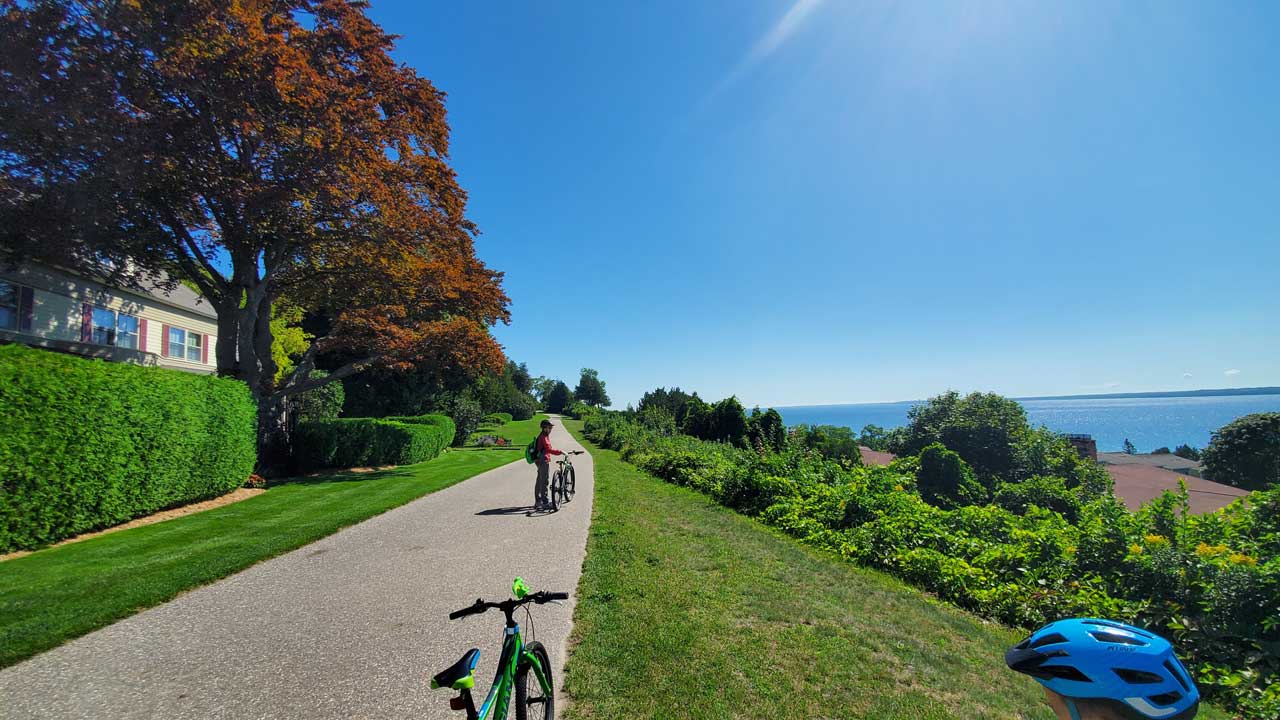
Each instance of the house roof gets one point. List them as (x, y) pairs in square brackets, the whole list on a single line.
[(1164, 460), (180, 296), (1136, 484)]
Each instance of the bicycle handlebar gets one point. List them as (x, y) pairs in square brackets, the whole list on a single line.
[(480, 606)]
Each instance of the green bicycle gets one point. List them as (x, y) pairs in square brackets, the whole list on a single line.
[(526, 668), (563, 480)]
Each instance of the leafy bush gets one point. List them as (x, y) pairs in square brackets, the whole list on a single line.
[(874, 437), (834, 442), (944, 479), (579, 410), (657, 419), (89, 444), (1186, 451), (1245, 452), (1050, 493), (1053, 546), (442, 426), (322, 403), (357, 442), (466, 414), (984, 428), (498, 418), (766, 431)]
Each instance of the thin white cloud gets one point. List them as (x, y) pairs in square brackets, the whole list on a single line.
[(1186, 374), (1231, 372), (1111, 385), (768, 44), (783, 30)]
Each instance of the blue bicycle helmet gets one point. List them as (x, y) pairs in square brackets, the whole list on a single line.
[(1090, 659)]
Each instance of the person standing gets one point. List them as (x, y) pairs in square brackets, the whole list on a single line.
[(543, 452)]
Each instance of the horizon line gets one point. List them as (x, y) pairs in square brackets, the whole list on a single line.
[(1166, 393)]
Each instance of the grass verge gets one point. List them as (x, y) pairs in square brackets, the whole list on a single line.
[(60, 593), (689, 610)]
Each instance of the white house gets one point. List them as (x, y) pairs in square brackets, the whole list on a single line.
[(55, 309)]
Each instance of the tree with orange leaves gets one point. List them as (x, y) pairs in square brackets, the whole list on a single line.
[(260, 149)]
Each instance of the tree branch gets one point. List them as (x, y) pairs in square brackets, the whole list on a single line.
[(293, 386), (216, 283)]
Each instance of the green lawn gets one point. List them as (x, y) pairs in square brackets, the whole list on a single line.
[(518, 432), (689, 610), (60, 593)]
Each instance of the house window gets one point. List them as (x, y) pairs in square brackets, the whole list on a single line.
[(186, 345), (127, 331), (9, 297), (112, 328)]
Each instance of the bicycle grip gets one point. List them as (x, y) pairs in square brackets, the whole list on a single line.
[(470, 610), (557, 596)]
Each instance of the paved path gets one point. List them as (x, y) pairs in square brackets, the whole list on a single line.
[(352, 626)]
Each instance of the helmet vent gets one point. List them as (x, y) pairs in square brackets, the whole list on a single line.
[(1064, 672), (1117, 626), (1139, 677), (1168, 698), (1176, 675), (1107, 637), (1048, 640)]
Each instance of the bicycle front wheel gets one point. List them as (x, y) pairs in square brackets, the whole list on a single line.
[(553, 496), (570, 483), (532, 700)]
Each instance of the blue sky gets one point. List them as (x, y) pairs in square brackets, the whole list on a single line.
[(818, 202)]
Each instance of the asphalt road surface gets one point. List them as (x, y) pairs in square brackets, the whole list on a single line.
[(352, 626)]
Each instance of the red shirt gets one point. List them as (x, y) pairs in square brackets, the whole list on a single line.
[(544, 449)]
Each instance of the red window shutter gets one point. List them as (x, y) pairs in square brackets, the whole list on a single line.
[(142, 334), (164, 340), (204, 349), (86, 323), (26, 309)]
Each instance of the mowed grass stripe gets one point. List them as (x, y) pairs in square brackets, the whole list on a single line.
[(61, 593), (689, 610)]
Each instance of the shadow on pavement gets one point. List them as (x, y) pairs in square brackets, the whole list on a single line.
[(520, 510)]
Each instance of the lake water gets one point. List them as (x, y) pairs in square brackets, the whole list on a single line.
[(1148, 422)]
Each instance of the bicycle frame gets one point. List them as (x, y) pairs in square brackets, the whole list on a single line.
[(498, 700)]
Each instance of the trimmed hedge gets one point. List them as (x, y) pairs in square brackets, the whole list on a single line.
[(499, 418), (89, 444), (356, 442)]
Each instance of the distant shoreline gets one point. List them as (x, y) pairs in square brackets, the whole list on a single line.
[(1225, 392)]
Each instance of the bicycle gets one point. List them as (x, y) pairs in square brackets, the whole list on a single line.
[(514, 665), (563, 481)]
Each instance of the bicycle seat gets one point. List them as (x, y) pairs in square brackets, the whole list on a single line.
[(461, 674)]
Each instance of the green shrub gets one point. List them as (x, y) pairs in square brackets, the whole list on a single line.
[(358, 442), (945, 479), (1050, 493), (89, 444), (498, 418), (833, 441), (579, 410), (1245, 452), (466, 414), (322, 403), (442, 426)]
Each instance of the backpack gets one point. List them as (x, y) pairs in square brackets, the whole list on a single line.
[(531, 452)]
